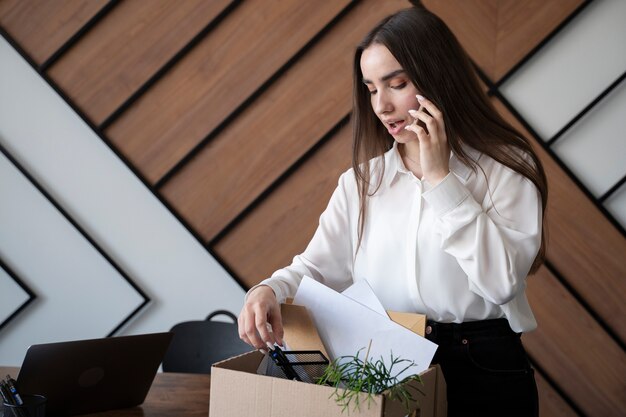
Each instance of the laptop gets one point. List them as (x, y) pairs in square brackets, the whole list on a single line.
[(88, 376)]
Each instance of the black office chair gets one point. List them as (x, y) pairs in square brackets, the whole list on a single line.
[(196, 345)]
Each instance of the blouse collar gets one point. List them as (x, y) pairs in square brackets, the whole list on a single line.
[(394, 166)]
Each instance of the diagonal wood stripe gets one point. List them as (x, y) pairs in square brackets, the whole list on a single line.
[(127, 47), (582, 244), (475, 24), (522, 25), (572, 348), (282, 124), (550, 402), (248, 46), (42, 27), (281, 226), (497, 34)]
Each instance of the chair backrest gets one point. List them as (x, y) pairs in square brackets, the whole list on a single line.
[(198, 344)]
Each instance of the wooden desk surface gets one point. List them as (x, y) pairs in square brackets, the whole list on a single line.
[(171, 394)]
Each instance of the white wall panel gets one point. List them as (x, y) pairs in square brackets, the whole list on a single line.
[(572, 69), (616, 205), (595, 147), (12, 296), (80, 294), (117, 210)]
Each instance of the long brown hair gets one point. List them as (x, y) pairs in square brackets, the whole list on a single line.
[(438, 66)]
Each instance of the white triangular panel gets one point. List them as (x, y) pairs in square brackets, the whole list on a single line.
[(81, 295), (12, 296), (98, 191)]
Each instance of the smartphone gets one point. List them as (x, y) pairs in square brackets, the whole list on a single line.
[(420, 123)]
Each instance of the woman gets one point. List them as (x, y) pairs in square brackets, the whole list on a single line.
[(442, 213)]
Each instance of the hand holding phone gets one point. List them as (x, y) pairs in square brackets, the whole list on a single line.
[(431, 132)]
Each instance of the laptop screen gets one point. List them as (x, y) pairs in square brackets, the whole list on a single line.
[(87, 376)]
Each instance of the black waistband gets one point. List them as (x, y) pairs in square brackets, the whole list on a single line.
[(441, 332)]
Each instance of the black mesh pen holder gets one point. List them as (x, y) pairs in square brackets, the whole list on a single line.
[(299, 365)]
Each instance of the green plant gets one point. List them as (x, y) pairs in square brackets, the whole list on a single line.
[(352, 376)]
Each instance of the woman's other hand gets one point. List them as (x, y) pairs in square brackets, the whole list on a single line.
[(260, 309), (434, 148)]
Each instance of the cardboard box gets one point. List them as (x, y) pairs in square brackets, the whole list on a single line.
[(414, 322), (237, 390)]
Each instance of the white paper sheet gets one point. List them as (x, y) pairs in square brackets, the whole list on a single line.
[(346, 326), (361, 292)]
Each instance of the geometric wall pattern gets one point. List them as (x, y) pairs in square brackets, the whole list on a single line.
[(236, 115), (104, 256), (59, 258), (16, 295)]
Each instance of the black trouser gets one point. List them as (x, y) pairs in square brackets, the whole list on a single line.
[(486, 369)]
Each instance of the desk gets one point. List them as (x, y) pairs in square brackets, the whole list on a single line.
[(171, 394)]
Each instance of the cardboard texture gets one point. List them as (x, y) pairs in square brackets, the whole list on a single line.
[(236, 389), (297, 324), (414, 322)]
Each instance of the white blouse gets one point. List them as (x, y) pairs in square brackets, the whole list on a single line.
[(459, 251)]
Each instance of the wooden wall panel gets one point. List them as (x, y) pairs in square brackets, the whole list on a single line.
[(250, 45), (582, 244), (282, 225), (551, 404), (126, 48), (474, 23), (497, 34), (269, 136), (522, 25), (253, 149), (573, 349), (42, 27)]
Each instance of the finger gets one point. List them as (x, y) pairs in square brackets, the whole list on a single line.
[(253, 336), (277, 326), (250, 331), (261, 326), (241, 328), (424, 121), (244, 336), (424, 117), (430, 106), (418, 130)]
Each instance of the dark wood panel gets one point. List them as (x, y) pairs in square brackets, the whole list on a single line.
[(474, 23), (42, 27), (497, 34), (582, 244), (282, 225), (572, 348), (126, 48), (221, 72), (522, 25), (551, 404), (276, 130)]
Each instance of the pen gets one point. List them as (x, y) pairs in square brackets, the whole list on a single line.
[(6, 395), (16, 395), (13, 396), (282, 361)]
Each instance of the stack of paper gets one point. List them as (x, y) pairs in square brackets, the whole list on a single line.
[(347, 322)]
